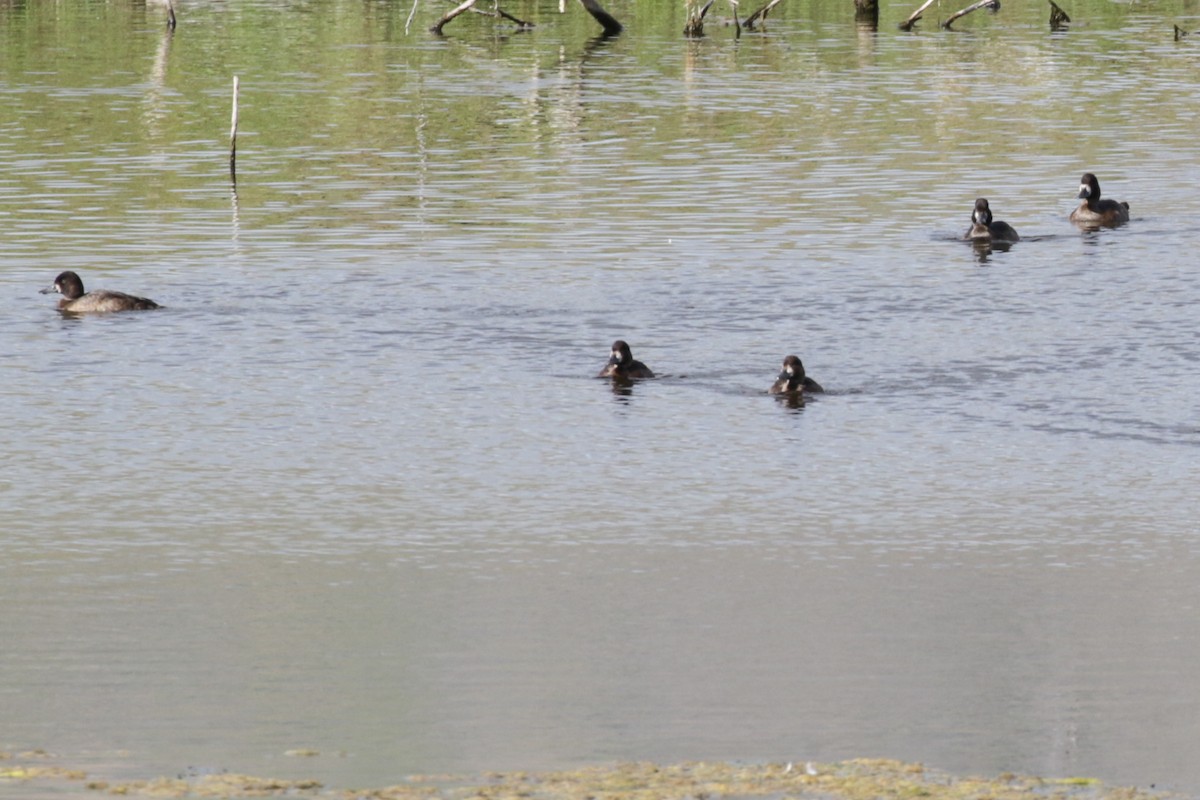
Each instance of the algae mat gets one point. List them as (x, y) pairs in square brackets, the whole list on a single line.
[(857, 779)]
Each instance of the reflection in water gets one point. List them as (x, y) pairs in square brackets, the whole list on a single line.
[(154, 102), (565, 104), (984, 248), (235, 217), (790, 400), (622, 388)]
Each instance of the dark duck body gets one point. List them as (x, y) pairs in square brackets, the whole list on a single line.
[(986, 229), (75, 301), (792, 379), (1095, 210), (622, 365)]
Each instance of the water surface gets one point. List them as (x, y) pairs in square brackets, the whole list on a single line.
[(356, 490)]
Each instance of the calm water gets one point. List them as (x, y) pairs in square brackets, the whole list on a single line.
[(356, 490)]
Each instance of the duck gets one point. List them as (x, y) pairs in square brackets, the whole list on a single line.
[(101, 301), (984, 228), (792, 379), (1094, 210), (622, 365)]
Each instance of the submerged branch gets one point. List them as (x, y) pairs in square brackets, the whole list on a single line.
[(1058, 17), (520, 23), (866, 13), (469, 5), (498, 13), (994, 5), (462, 8), (761, 14), (907, 25), (611, 26), (695, 21)]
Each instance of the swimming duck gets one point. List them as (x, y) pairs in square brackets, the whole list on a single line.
[(1094, 211), (792, 379), (983, 228), (622, 364), (74, 301)]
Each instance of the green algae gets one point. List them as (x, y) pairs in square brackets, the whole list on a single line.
[(857, 779), (21, 772), (33, 772)]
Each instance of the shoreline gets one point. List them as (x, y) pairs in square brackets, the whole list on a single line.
[(855, 779)]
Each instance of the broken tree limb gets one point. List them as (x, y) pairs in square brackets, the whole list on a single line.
[(866, 14), (737, 25), (499, 13), (907, 25), (1180, 33), (1058, 17), (520, 23), (760, 15), (461, 8), (695, 20), (607, 20), (994, 5)]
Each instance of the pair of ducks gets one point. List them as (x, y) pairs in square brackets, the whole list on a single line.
[(792, 381), (1093, 211)]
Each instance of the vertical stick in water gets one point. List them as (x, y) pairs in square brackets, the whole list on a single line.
[(411, 14), (233, 134), (170, 15)]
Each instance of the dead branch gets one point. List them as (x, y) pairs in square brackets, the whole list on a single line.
[(866, 14), (761, 14), (1180, 33), (994, 5), (1058, 17), (695, 21), (498, 13), (607, 20), (520, 23), (907, 25), (462, 8)]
